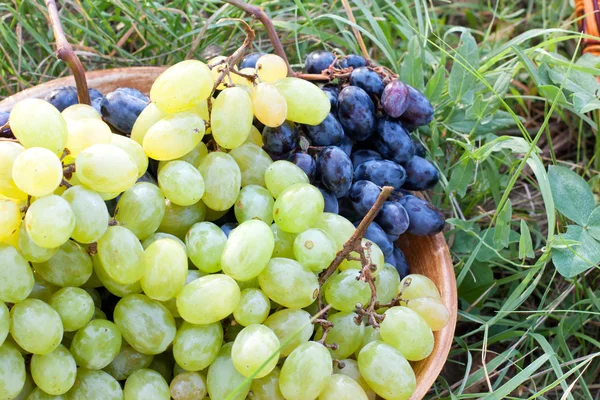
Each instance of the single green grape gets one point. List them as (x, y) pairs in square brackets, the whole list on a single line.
[(289, 283), (342, 387), (408, 332), (127, 362), (242, 81), (188, 386), (37, 171), (10, 217), (47, 129), (255, 137), (50, 221), (80, 111), (314, 249), (249, 284), (284, 242), (306, 371), (222, 180), (372, 252), (144, 121), (36, 326), (173, 136), (248, 250), (4, 322), (205, 242), (181, 183), (91, 384), (271, 67), (179, 219), (254, 346), (298, 208), (267, 387), (12, 371), (160, 235), (31, 251), (194, 157), (346, 291), (269, 104), (99, 314), (9, 151), (208, 299), (74, 306), (387, 283), (134, 149), (231, 117), (282, 174), (431, 310), (223, 379), (254, 202), (414, 286), (146, 384), (122, 255), (349, 367), (253, 161), (86, 132), (338, 227), (218, 63), (42, 290), (296, 91), (54, 373), (116, 288), (70, 266), (196, 346), (106, 168), (254, 307), (91, 214), (345, 333), (27, 389), (96, 345), (370, 335), (16, 277), (141, 209), (165, 271)]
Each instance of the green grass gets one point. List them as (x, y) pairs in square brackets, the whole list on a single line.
[(505, 111)]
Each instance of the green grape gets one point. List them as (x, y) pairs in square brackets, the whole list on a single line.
[(91, 214), (314, 249), (141, 209), (205, 242), (222, 180), (342, 387), (50, 221), (122, 255), (253, 161), (74, 306), (372, 252), (91, 384), (254, 346), (85, 132), (255, 137), (414, 286), (248, 250), (37, 394), (196, 346), (12, 371), (106, 168), (338, 227), (134, 149), (144, 323), (231, 117), (127, 362), (289, 283), (271, 67), (408, 332), (249, 284), (35, 326), (242, 81), (37, 171), (179, 219), (70, 266), (281, 175), (349, 367), (387, 283), (144, 121), (431, 310), (298, 208), (182, 86), (292, 327), (99, 314), (386, 371), (223, 379), (54, 373), (80, 111), (269, 105), (173, 136), (254, 202), (284, 242), (16, 277), (163, 364), (10, 217), (345, 291), (218, 64), (345, 333), (116, 288), (27, 389), (305, 372), (188, 386), (96, 345), (208, 299), (9, 151), (194, 157), (254, 307), (42, 290), (181, 183), (165, 270), (12, 240), (47, 128), (146, 384), (297, 93), (4, 322), (267, 388), (160, 235), (94, 294)]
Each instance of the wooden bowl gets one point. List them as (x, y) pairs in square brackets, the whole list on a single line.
[(428, 256)]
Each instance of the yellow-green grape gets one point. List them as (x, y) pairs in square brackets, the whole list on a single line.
[(314, 249), (349, 367), (223, 379), (342, 387), (84, 133), (414, 286), (134, 149), (37, 123), (70, 266), (35, 326), (145, 323), (106, 168), (10, 218), (173, 136), (253, 162), (74, 306), (182, 86), (116, 288), (4, 322), (372, 252), (345, 291), (96, 344), (201, 110), (222, 180), (219, 63), (9, 151), (254, 202), (50, 221), (12, 371), (27, 389), (254, 307), (146, 384), (194, 157), (91, 214), (161, 235), (248, 250), (205, 242), (127, 362), (267, 388), (255, 137), (80, 111), (281, 175), (269, 105), (122, 255), (387, 283), (231, 118), (306, 102), (386, 371), (254, 346), (208, 299), (431, 310), (99, 314), (292, 327), (165, 269), (141, 209), (271, 67), (37, 171), (338, 227), (242, 81), (42, 290), (94, 294), (284, 242), (305, 372), (196, 346), (54, 373), (249, 284), (181, 183), (13, 238), (408, 332), (345, 333), (179, 219), (289, 283), (298, 208), (144, 121), (89, 384), (188, 386)]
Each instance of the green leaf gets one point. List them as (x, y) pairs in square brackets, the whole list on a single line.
[(501, 120), (553, 93), (502, 84), (480, 278), (525, 245), (491, 253), (573, 197), (477, 109), (503, 391), (585, 102), (593, 224), (411, 70), (462, 78), (435, 86), (573, 260), (502, 232), (462, 176), (530, 67)]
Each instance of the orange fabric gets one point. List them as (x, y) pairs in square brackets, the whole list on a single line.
[(588, 14)]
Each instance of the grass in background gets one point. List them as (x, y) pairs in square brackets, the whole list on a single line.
[(512, 97)]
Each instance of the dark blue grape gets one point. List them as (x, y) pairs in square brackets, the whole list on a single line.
[(346, 209), (4, 117), (282, 139), (419, 148), (364, 155), (393, 142), (393, 238), (331, 202), (97, 104), (400, 263), (306, 163), (334, 169), (134, 93), (381, 173), (420, 174), (395, 98), (346, 145), (279, 156), (368, 80), (375, 234), (250, 60), (122, 107), (65, 96), (356, 113), (419, 111), (327, 133), (332, 94), (354, 61), (228, 227), (393, 218), (96, 94), (258, 125), (424, 218), (317, 61), (363, 194)]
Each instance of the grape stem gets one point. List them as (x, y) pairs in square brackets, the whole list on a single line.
[(65, 52)]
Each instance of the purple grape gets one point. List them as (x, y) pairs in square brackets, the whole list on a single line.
[(400, 263), (250, 60), (228, 227), (122, 107), (356, 113), (393, 142), (419, 148), (327, 133), (419, 111), (331, 202), (4, 117), (377, 235), (393, 218), (424, 218), (306, 163), (395, 98), (282, 139), (363, 194), (368, 80), (346, 145), (420, 174), (65, 96), (346, 209), (354, 61), (335, 171), (364, 155), (332, 95), (317, 61), (381, 173)]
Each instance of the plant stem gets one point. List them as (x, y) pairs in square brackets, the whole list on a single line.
[(356, 32)]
